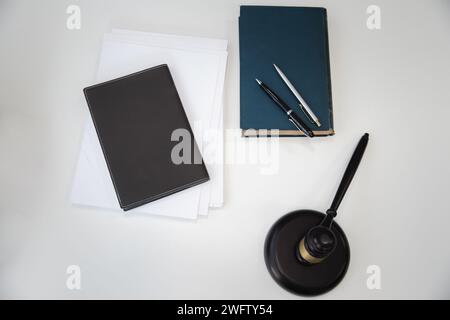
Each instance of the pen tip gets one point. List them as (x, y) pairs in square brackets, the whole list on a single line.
[(259, 81)]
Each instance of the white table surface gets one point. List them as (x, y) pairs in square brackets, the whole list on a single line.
[(392, 83)]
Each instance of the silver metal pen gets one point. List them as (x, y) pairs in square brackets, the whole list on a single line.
[(302, 103)]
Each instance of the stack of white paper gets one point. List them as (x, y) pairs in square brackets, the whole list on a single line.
[(198, 68)]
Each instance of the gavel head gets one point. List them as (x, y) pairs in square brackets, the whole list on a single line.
[(318, 243)]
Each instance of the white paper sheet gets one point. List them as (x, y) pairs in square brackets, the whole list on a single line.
[(92, 185)]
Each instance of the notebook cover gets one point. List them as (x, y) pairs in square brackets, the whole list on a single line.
[(296, 39), (134, 117)]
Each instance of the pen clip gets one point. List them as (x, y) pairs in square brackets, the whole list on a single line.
[(295, 124), (310, 118), (299, 126)]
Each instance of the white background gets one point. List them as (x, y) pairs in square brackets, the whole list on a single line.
[(392, 83)]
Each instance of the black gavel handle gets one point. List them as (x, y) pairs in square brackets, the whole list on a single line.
[(350, 172), (346, 180)]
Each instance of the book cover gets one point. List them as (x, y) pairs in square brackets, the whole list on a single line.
[(135, 117), (295, 39)]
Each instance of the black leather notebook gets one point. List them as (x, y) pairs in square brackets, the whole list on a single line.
[(135, 117)]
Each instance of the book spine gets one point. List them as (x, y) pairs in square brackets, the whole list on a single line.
[(327, 59)]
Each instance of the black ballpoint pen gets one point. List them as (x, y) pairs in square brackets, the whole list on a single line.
[(296, 121)]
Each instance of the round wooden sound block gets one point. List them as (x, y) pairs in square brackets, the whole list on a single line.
[(284, 265)]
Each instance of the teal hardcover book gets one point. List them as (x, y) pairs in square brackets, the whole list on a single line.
[(295, 39)]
